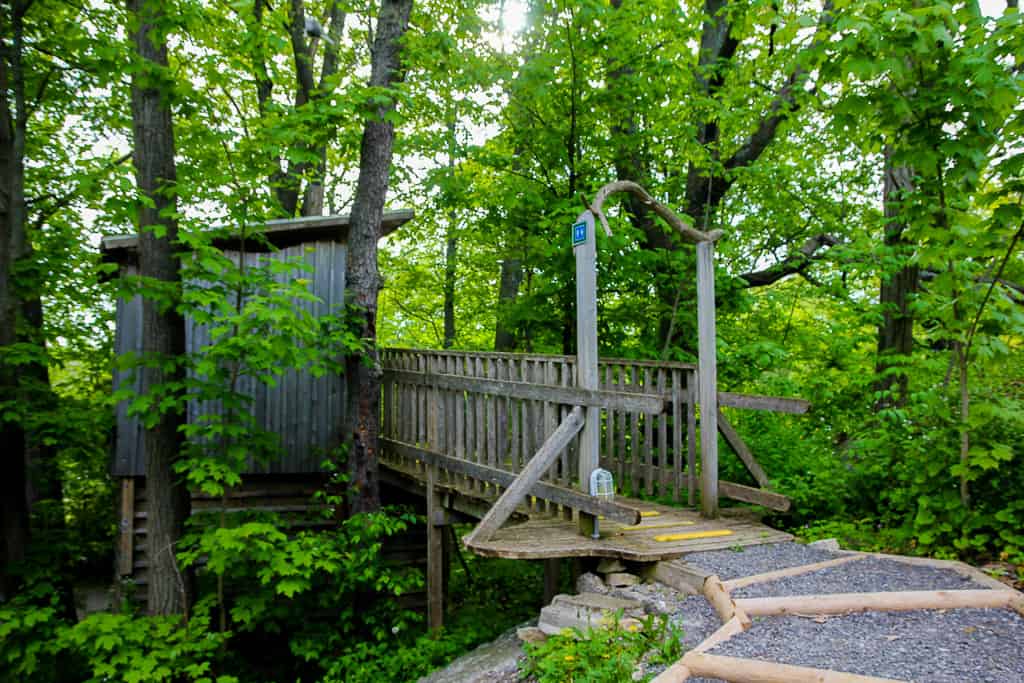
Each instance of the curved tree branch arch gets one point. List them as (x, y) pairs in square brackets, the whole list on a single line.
[(683, 227), (586, 303)]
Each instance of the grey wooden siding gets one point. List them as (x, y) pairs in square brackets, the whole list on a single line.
[(305, 411)]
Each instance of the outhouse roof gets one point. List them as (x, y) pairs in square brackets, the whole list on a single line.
[(280, 233)]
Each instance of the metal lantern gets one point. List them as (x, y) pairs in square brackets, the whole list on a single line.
[(601, 484)]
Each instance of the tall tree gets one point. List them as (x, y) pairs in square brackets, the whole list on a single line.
[(27, 401), (163, 326), (896, 289), (375, 152), (14, 244)]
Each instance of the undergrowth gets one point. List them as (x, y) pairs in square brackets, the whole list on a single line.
[(610, 654)]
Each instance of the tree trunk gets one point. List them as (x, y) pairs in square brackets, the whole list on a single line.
[(896, 332), (163, 327), (13, 485), (451, 250), (450, 256), (363, 378), (30, 469), (508, 290)]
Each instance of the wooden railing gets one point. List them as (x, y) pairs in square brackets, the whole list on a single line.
[(495, 410)]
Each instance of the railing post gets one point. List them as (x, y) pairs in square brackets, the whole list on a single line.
[(585, 248), (707, 378)]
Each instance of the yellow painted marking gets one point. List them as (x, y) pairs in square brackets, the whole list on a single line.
[(664, 525), (665, 538)]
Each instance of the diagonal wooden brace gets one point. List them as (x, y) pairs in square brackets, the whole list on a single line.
[(531, 474)]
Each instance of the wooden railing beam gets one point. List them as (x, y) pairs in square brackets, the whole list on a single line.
[(630, 402)]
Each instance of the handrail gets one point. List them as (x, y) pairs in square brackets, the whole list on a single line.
[(667, 364)]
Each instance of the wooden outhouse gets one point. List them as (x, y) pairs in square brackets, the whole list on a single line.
[(303, 410)]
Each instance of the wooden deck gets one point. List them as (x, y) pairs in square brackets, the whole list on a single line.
[(664, 533)]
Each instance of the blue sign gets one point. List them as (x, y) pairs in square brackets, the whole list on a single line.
[(579, 233)]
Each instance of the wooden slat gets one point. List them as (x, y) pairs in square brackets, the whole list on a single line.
[(634, 440), (536, 391), (620, 434), (691, 438), (492, 419), (741, 449), (776, 404), (479, 417), (664, 480), (648, 442), (677, 435), (748, 494), (608, 457)]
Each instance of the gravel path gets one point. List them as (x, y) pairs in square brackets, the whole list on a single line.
[(870, 575), (945, 646), (757, 559)]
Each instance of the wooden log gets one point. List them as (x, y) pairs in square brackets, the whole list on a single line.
[(526, 479), (766, 577), (708, 384), (677, 673), (723, 603), (740, 670), (961, 568), (777, 404), (686, 578), (535, 391), (126, 541), (610, 510), (846, 603), (729, 629), (748, 494), (739, 446)]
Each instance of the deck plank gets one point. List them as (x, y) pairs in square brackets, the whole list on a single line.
[(548, 537)]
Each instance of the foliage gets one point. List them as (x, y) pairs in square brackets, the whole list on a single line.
[(608, 654), (501, 133)]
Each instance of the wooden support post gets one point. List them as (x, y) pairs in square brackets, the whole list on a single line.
[(126, 546), (435, 555), (586, 351), (707, 364), (552, 571)]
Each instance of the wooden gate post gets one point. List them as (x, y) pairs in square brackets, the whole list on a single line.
[(585, 247), (707, 370)]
